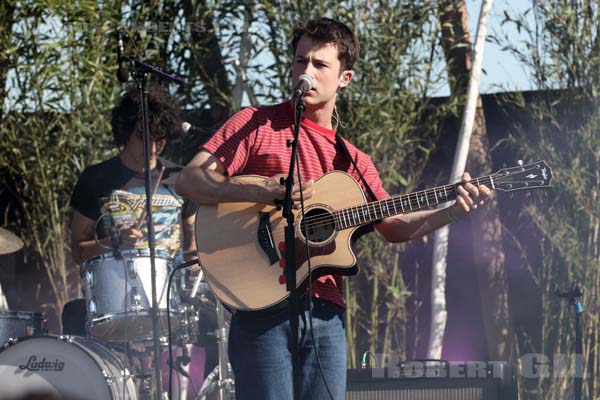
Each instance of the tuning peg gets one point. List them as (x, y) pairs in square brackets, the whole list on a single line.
[(520, 163)]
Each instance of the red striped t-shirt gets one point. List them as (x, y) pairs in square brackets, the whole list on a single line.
[(254, 142)]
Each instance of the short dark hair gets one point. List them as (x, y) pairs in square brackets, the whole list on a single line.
[(326, 30), (164, 115)]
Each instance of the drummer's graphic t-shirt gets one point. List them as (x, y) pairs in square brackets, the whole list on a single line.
[(114, 196)]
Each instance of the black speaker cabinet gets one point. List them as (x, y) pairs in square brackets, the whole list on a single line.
[(477, 381)]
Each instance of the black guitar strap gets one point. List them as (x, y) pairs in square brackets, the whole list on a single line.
[(366, 228), (340, 141)]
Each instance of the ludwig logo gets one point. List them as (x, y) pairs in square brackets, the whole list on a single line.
[(43, 365)]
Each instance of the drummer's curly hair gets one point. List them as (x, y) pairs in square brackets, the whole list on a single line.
[(164, 115)]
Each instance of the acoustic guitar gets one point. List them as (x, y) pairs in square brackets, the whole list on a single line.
[(241, 245)]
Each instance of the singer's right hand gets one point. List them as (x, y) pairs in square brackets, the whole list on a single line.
[(130, 236), (275, 190)]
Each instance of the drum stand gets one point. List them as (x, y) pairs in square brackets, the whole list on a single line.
[(139, 362), (222, 371)]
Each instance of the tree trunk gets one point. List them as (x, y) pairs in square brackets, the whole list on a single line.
[(207, 59), (241, 64), (7, 12), (486, 229)]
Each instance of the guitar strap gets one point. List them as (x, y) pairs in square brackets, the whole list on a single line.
[(340, 141), (366, 228)]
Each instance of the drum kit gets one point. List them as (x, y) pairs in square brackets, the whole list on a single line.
[(113, 360)]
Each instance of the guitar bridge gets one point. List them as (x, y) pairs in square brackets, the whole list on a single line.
[(265, 238)]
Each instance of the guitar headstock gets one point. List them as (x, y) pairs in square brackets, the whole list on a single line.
[(530, 176)]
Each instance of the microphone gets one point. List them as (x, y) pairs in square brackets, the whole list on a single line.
[(188, 128), (303, 85), (201, 133), (122, 73)]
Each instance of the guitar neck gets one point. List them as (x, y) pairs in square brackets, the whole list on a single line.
[(403, 204)]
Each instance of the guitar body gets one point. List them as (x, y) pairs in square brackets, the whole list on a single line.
[(240, 245)]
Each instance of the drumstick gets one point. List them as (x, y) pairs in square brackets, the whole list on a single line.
[(197, 284), (187, 253), (154, 188)]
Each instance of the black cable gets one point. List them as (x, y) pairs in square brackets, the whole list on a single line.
[(126, 273), (169, 345), (310, 317)]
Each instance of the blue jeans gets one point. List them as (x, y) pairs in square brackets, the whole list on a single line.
[(260, 354)]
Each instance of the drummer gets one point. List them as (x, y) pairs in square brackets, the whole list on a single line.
[(108, 201)]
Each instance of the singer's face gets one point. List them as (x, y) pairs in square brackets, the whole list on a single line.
[(319, 61)]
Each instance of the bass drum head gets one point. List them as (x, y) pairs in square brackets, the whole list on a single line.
[(68, 367)]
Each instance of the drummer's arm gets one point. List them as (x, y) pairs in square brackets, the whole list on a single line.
[(83, 244), (189, 238)]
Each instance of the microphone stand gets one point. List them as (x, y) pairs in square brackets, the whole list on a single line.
[(572, 295), (290, 249), (141, 75)]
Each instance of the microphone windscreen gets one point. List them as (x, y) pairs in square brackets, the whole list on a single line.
[(122, 74)]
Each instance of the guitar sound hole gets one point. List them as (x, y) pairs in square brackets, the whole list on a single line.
[(320, 225)]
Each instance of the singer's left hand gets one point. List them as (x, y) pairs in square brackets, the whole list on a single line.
[(469, 197)]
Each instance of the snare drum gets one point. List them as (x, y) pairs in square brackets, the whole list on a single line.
[(16, 324), (118, 294), (67, 367)]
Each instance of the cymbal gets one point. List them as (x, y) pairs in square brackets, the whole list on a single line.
[(9, 242)]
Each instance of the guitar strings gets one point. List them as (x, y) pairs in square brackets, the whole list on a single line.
[(362, 211), (395, 202)]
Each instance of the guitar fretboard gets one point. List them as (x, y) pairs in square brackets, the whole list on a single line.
[(370, 212)]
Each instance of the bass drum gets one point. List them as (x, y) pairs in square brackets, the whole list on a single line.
[(68, 367)]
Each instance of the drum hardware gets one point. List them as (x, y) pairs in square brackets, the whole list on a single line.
[(16, 324), (9, 242), (131, 269), (188, 320), (66, 338), (209, 386), (136, 301), (222, 372), (169, 331)]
